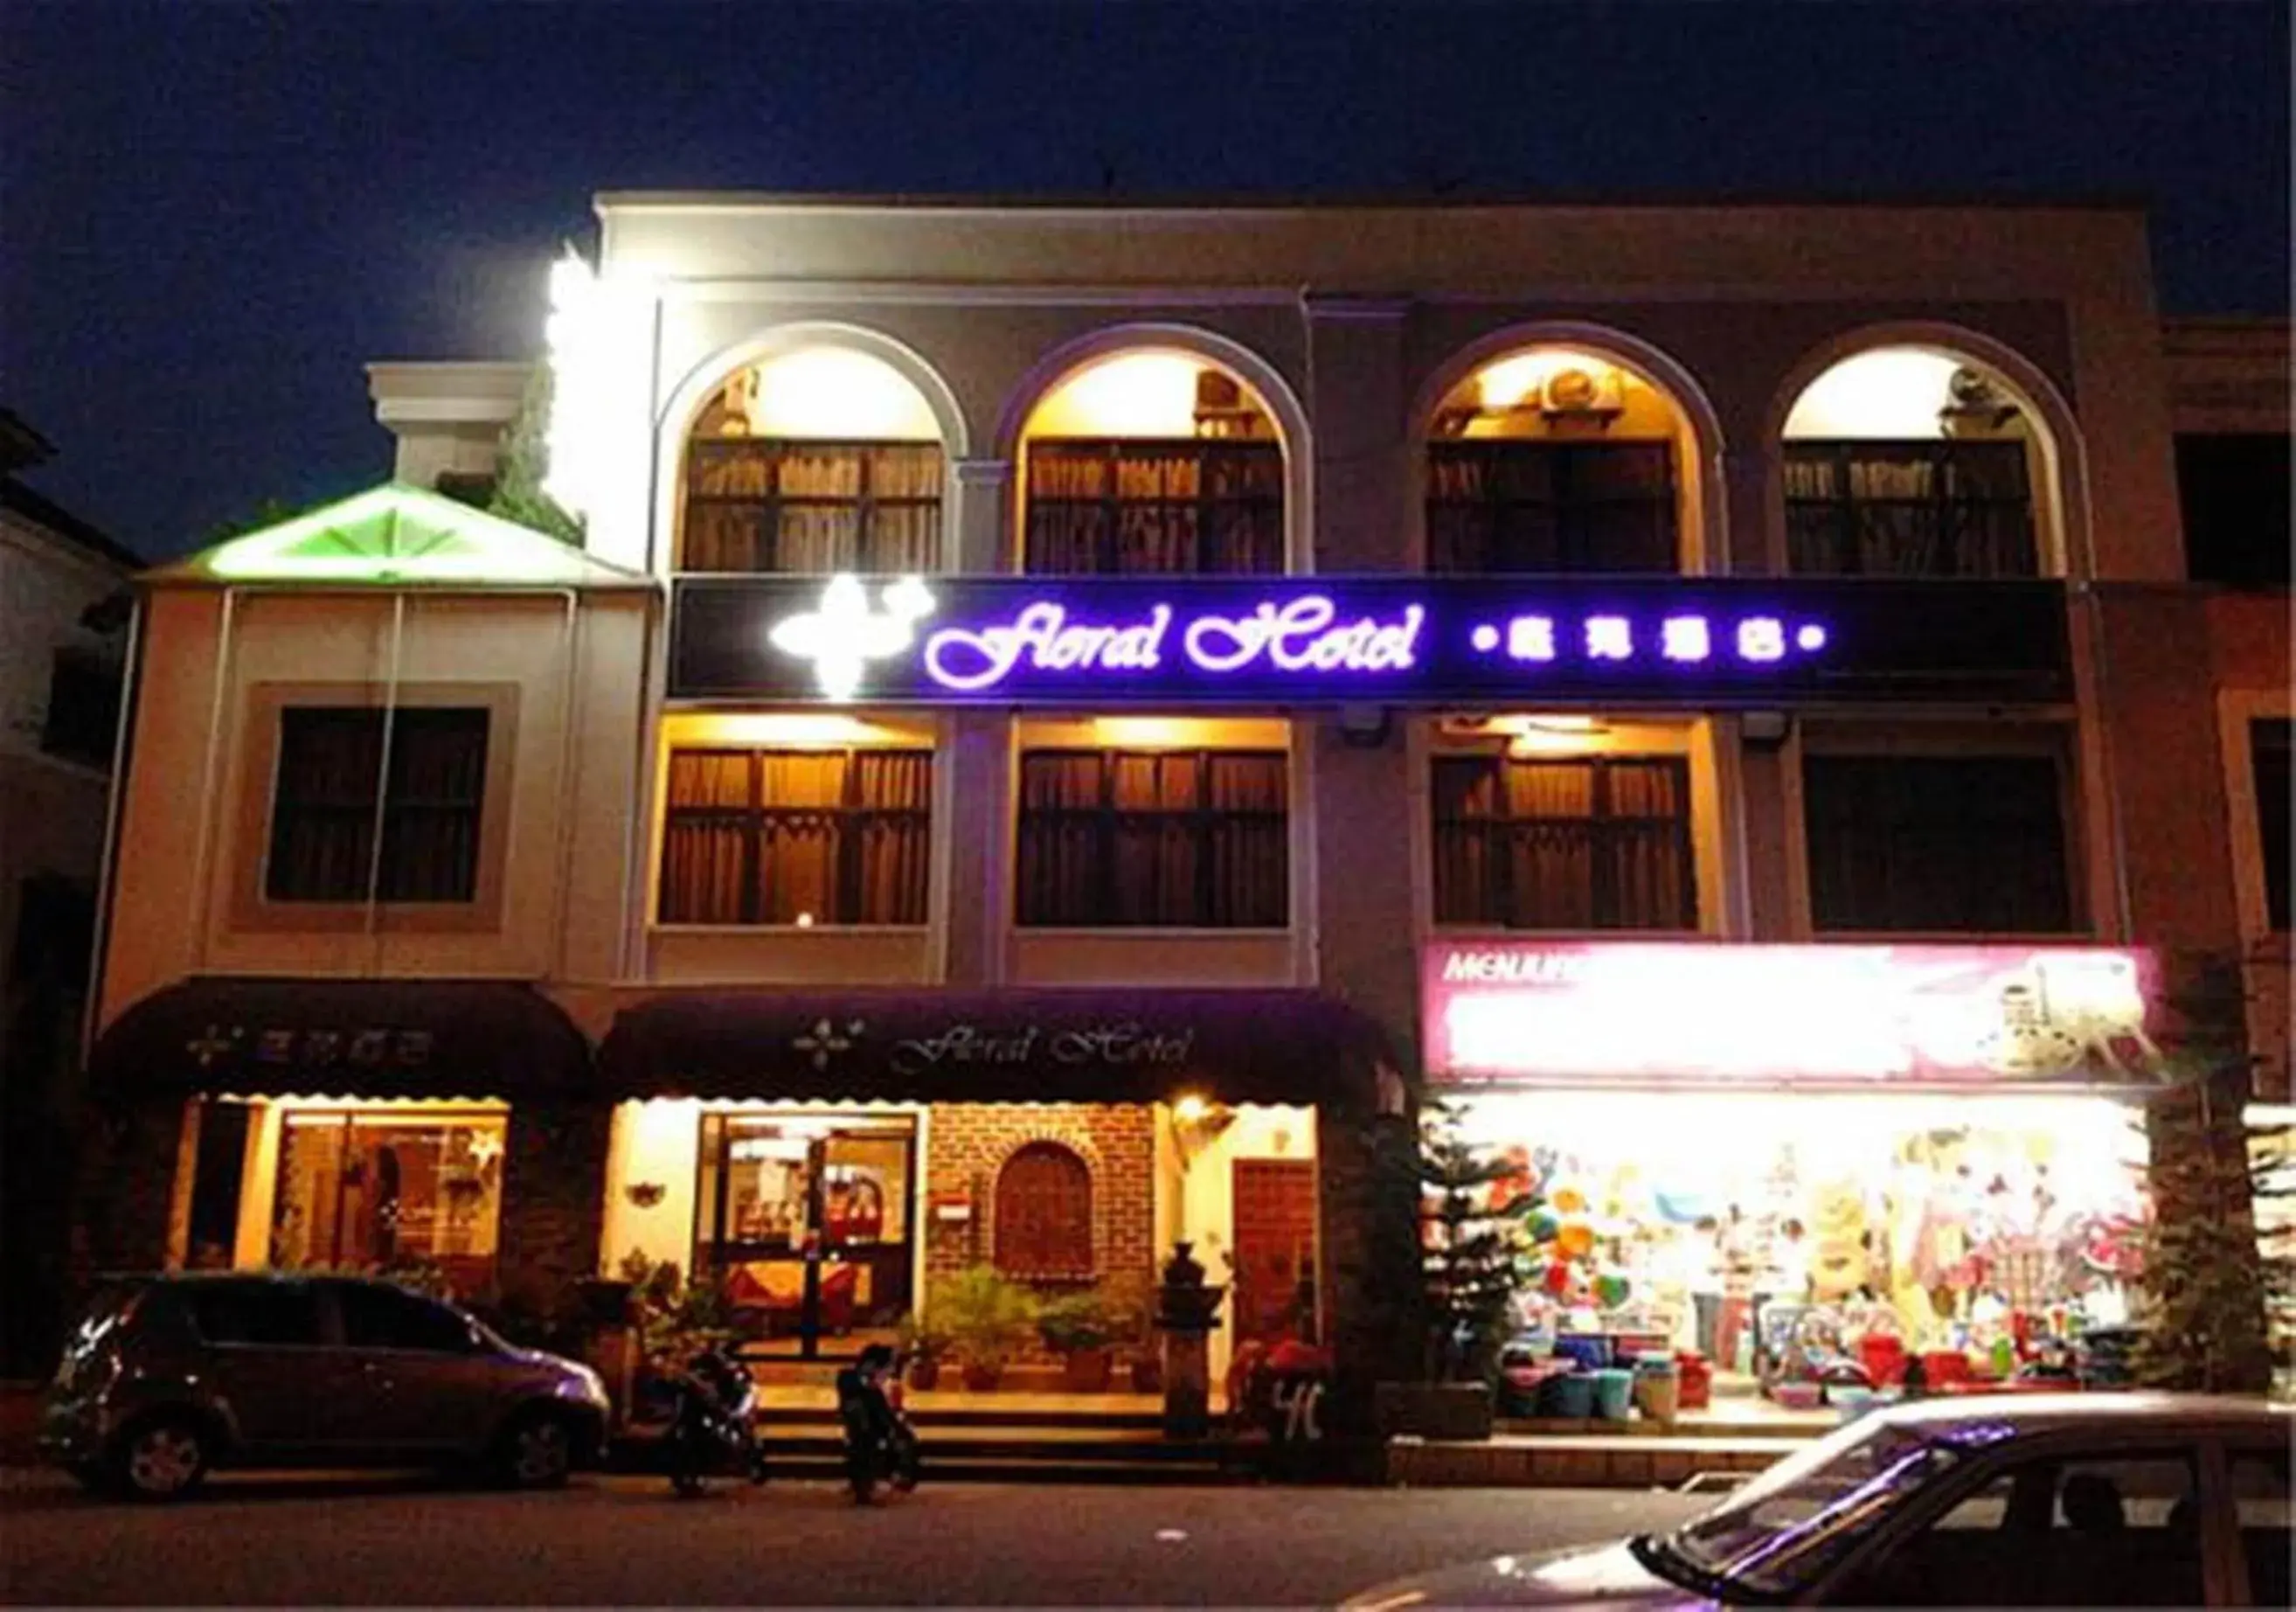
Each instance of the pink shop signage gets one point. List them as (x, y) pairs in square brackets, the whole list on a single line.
[(1696, 1012)]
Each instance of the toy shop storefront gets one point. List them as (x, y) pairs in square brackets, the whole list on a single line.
[(1796, 1165)]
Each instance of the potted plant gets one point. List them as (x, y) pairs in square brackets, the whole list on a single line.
[(1467, 1284), (924, 1346), (987, 1318), (1077, 1327), (1131, 1330)]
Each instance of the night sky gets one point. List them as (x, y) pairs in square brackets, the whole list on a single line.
[(214, 213)]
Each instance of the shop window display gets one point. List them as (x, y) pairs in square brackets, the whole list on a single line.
[(390, 1192), (1819, 1241), (806, 1219)]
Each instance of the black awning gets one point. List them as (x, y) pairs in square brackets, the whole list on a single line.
[(976, 1046), (468, 1038)]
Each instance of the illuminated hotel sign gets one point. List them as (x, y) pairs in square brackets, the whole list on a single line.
[(1574, 1012), (1101, 641)]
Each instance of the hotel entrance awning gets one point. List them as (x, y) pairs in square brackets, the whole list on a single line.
[(982, 1046), (376, 1039)]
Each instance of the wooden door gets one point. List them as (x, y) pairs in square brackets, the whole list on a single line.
[(1274, 1243)]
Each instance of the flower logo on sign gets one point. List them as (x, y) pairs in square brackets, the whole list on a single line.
[(823, 1042), (206, 1049), (845, 633)]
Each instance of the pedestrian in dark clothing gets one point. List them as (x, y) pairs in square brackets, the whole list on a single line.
[(868, 1418)]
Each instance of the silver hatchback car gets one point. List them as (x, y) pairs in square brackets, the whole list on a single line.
[(170, 1375), (2073, 1500)]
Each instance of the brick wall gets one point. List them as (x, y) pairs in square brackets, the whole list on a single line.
[(967, 1144), (128, 1187), (554, 1204)]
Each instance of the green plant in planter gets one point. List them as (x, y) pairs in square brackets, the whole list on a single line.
[(675, 1318), (1079, 1327), (986, 1317), (924, 1346), (1130, 1300), (1076, 1320)]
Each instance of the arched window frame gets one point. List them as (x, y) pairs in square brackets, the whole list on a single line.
[(1272, 391), (1075, 1257), (674, 424), (2063, 540), (1702, 539)]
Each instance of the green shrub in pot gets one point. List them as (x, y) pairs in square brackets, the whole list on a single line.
[(987, 1316)]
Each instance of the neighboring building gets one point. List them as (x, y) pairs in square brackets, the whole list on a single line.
[(62, 635), (1712, 687), (2229, 388)]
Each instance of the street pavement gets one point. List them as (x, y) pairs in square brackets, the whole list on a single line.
[(249, 1541)]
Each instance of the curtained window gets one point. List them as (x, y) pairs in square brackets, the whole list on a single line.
[(774, 836), (1173, 839), (1581, 844), (2267, 754), (1494, 505), (1918, 844), (1044, 1213), (324, 801), (1154, 506), (764, 504), (1942, 508)]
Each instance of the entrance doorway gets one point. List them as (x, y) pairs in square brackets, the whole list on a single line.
[(808, 1219), (1274, 1245)]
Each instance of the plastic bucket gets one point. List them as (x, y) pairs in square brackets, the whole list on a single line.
[(1570, 1398), (1658, 1391), (1614, 1393)]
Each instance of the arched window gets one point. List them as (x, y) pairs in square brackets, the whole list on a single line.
[(817, 459), (1152, 461), (1554, 459), (1909, 461), (1044, 1213)]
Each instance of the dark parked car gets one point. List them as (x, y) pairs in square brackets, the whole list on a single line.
[(2073, 1500), (170, 1376)]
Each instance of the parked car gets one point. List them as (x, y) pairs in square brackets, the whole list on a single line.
[(2087, 1499), (170, 1375)]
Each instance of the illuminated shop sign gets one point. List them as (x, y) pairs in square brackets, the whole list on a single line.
[(1702, 1011), (1100, 641)]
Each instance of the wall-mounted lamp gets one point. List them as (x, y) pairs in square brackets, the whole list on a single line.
[(1197, 1121)]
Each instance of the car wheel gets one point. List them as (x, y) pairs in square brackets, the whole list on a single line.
[(160, 1458), (537, 1452)]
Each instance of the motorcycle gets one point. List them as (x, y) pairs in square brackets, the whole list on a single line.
[(883, 1447), (712, 1428)]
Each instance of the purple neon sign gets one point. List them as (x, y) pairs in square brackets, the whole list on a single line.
[(1398, 639), (1305, 635), (1310, 635)]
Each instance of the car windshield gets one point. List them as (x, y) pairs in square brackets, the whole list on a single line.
[(1795, 1521)]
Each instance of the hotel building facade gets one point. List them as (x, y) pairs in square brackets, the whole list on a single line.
[(1066, 723)]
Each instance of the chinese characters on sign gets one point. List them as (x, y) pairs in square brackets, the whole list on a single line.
[(333, 1048), (1401, 640)]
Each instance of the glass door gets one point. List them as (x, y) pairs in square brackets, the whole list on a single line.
[(809, 1220)]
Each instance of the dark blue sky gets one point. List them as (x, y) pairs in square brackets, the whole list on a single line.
[(212, 213)]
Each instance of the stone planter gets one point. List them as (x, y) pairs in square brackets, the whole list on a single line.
[(1446, 1412), (1086, 1371), (924, 1375), (1147, 1373)]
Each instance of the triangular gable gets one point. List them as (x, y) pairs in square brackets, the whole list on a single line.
[(395, 535)]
